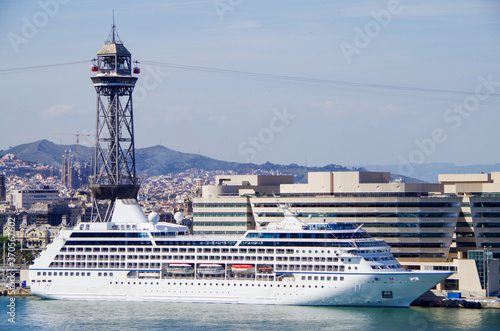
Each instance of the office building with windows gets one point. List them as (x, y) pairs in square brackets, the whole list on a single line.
[(416, 220), (428, 226), (24, 199), (478, 225)]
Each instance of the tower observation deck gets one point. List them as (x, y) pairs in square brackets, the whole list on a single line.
[(114, 175)]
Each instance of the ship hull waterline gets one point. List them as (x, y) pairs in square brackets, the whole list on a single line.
[(360, 290)]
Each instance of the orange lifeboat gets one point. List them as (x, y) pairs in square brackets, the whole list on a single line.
[(243, 268), (266, 269)]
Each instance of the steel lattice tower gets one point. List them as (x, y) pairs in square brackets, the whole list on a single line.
[(114, 174)]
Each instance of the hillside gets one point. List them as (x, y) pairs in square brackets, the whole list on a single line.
[(46, 152), (160, 160)]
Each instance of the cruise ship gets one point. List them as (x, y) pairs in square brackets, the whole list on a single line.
[(134, 257)]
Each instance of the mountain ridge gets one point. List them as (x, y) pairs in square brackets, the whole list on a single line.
[(159, 160)]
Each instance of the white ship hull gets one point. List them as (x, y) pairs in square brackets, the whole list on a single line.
[(355, 290)]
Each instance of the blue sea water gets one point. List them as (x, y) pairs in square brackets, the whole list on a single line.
[(35, 313)]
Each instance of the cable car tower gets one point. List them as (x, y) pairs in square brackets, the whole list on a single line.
[(114, 175)]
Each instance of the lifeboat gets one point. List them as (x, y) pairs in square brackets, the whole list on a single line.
[(266, 269), (180, 268), (243, 268), (94, 68), (210, 269)]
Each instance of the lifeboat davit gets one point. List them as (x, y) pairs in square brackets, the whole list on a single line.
[(243, 268)]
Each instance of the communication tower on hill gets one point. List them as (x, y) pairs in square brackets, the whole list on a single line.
[(114, 175)]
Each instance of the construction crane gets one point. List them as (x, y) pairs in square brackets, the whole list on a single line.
[(77, 134)]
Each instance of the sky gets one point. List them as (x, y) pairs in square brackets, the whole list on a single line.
[(305, 82)]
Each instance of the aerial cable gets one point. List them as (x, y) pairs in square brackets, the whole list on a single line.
[(324, 82), (312, 80), (15, 70)]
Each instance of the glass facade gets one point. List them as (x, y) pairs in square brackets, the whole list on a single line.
[(482, 258)]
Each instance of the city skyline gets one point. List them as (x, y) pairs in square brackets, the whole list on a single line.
[(331, 83)]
